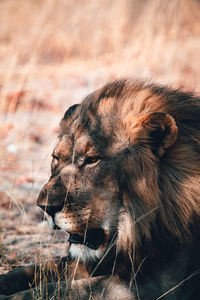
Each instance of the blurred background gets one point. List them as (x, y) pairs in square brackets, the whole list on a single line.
[(52, 54)]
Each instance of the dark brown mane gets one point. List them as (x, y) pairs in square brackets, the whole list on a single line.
[(174, 185)]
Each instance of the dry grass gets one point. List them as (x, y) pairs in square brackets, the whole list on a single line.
[(154, 38), (52, 53)]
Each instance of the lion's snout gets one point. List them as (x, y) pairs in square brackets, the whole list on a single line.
[(51, 199)]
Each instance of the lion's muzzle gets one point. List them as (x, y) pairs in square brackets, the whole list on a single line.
[(51, 200)]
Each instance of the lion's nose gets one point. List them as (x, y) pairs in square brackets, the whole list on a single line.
[(50, 202)]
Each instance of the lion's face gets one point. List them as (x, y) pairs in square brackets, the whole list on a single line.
[(82, 196)]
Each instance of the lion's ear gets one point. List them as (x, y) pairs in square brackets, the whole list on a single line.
[(67, 119), (159, 130), (68, 114)]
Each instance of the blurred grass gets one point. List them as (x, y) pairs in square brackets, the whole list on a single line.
[(50, 31), (155, 38)]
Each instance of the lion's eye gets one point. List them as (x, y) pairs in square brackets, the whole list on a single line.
[(91, 160)]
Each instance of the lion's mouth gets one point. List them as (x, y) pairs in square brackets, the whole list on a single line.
[(93, 238)]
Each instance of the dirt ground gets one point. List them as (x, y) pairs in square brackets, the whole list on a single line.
[(51, 56)]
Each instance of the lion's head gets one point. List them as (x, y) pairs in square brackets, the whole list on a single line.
[(126, 170)]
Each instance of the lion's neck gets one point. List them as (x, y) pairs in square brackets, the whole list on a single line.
[(174, 268)]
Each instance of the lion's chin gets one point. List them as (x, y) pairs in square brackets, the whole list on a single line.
[(85, 254), (92, 239)]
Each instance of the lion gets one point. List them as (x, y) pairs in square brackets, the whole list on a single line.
[(125, 187)]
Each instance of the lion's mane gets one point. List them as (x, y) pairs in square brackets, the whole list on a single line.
[(153, 133)]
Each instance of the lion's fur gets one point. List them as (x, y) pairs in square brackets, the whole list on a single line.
[(170, 182), (152, 134), (159, 176), (128, 165)]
